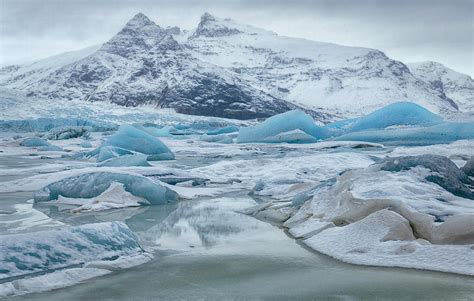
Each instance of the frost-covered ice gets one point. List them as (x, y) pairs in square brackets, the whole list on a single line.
[(90, 185), (393, 213)]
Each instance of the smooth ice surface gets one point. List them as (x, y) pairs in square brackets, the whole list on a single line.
[(34, 142), (441, 133), (126, 160), (131, 138), (282, 123), (91, 185), (24, 254), (396, 114)]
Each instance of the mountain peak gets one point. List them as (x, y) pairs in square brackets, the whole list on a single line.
[(139, 20), (211, 26)]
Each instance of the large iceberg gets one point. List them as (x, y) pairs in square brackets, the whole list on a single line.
[(291, 127), (395, 114), (90, 185), (29, 254), (444, 132), (133, 139)]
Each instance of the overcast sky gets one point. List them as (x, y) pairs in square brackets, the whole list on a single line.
[(407, 30)]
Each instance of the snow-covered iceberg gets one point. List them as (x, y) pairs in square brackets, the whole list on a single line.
[(68, 132), (90, 185), (27, 254), (133, 139), (400, 212), (291, 127)]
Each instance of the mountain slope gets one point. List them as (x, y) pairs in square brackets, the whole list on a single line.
[(457, 86), (340, 79), (227, 69), (144, 64)]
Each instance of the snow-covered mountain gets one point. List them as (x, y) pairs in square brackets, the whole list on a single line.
[(457, 86), (227, 69)]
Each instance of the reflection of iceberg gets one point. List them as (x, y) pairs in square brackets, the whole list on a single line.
[(269, 130), (46, 251), (90, 185)]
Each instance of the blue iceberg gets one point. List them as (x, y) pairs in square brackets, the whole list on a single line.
[(445, 132), (108, 152), (86, 144), (34, 142), (224, 130), (291, 127), (133, 139), (126, 160), (395, 114), (27, 254), (90, 185), (155, 131), (50, 148)]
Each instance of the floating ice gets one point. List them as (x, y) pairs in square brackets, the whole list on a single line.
[(224, 130), (46, 124), (395, 114), (90, 185), (133, 139), (67, 132), (126, 160), (155, 131), (50, 148), (272, 128), (441, 133), (113, 198), (46, 251), (221, 138), (34, 142), (86, 144), (108, 152)]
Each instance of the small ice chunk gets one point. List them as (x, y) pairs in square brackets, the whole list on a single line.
[(108, 152), (34, 142), (126, 160)]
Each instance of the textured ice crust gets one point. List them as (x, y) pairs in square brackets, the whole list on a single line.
[(272, 128), (46, 124), (403, 212), (68, 132), (39, 252), (90, 185)]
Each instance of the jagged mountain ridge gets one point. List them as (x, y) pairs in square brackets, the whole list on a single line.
[(226, 69)]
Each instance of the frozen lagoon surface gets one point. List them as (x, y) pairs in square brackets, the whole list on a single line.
[(203, 246)]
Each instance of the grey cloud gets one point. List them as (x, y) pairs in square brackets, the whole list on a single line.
[(406, 30)]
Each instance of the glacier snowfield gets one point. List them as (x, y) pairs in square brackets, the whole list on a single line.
[(144, 204)]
